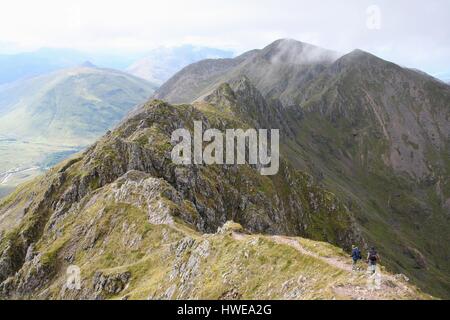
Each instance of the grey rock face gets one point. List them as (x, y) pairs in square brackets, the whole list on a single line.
[(110, 284)]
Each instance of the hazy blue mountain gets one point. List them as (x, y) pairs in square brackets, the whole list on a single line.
[(24, 65), (162, 63)]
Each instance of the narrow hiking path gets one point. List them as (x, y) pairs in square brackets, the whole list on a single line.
[(296, 245), (361, 286)]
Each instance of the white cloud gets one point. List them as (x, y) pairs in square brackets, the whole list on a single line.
[(412, 33)]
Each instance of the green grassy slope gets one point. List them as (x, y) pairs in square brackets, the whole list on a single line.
[(71, 106)]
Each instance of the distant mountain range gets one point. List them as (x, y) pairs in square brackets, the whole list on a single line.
[(156, 65), (162, 63), (29, 64)]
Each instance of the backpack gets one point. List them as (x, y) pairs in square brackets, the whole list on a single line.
[(373, 256), (356, 254)]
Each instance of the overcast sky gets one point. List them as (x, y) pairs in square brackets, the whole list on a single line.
[(410, 33)]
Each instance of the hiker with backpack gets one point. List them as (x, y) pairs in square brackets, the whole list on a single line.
[(372, 259), (356, 256)]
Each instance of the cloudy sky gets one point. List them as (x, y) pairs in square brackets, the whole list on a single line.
[(410, 33)]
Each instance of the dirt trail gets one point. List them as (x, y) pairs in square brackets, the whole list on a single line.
[(379, 287), (296, 245)]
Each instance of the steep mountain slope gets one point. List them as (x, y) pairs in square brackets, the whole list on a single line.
[(138, 226), (45, 119), (162, 63), (380, 135), (376, 134)]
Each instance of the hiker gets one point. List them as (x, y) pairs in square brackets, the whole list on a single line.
[(356, 256), (372, 259)]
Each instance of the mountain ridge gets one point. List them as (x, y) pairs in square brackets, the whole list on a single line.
[(376, 134), (248, 63)]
